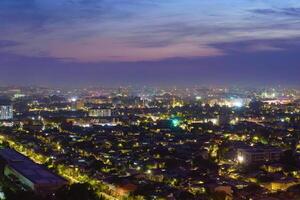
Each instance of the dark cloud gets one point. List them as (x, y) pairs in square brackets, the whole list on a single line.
[(290, 12), (35, 15), (258, 45), (8, 43), (237, 67)]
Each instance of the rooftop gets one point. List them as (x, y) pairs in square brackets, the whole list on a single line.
[(29, 169)]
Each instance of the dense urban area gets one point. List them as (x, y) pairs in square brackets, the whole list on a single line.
[(150, 143)]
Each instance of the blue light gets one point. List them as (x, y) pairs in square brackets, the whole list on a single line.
[(238, 103), (175, 122)]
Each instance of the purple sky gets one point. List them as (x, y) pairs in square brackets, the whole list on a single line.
[(170, 42)]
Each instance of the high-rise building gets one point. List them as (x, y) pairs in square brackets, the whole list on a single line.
[(6, 110), (79, 105)]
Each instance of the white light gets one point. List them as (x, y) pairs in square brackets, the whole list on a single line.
[(240, 158), (215, 121), (198, 98), (238, 103), (73, 99)]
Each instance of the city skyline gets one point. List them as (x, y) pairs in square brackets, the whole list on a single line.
[(149, 99), (122, 42)]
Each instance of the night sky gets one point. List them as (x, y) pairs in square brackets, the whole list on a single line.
[(151, 42)]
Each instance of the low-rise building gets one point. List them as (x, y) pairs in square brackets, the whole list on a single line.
[(253, 155), (100, 112), (21, 170)]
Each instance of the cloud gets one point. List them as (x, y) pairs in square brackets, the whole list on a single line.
[(136, 30), (7, 43), (261, 45), (287, 12)]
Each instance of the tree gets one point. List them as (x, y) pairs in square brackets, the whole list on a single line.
[(24, 195), (220, 195), (77, 191), (289, 160)]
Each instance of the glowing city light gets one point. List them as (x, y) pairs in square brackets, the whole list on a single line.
[(198, 98), (73, 99), (175, 122), (238, 103), (240, 158)]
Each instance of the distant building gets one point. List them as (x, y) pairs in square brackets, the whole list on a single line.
[(6, 110), (100, 112), (23, 171), (99, 100), (79, 105), (76, 104), (258, 155), (224, 118)]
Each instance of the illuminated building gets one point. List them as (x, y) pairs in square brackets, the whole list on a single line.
[(230, 102), (76, 104), (257, 155), (98, 100), (100, 112), (79, 105), (6, 110)]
